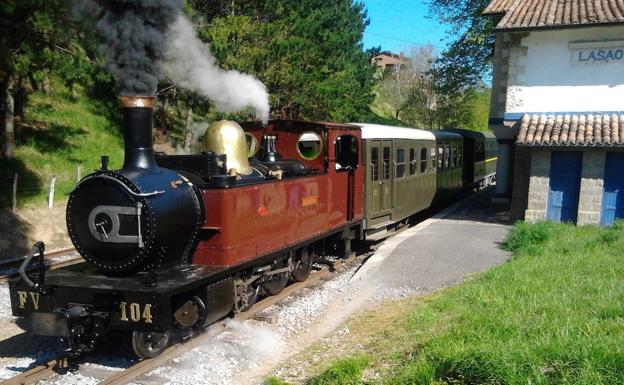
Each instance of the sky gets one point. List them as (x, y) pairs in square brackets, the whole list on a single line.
[(397, 25)]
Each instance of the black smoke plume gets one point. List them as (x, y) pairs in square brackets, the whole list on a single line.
[(132, 37)]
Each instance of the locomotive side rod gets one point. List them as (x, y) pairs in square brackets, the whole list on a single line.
[(147, 365)]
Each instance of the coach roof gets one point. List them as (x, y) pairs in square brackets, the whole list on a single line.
[(445, 135), (378, 131)]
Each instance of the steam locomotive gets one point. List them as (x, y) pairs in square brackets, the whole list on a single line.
[(178, 242)]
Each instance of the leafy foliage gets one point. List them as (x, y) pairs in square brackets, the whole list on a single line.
[(466, 62), (309, 56)]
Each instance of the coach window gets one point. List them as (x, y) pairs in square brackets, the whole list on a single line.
[(460, 153), (400, 163), (346, 149), (440, 158), (412, 161), (386, 163), (447, 156), (374, 163), (423, 160), (309, 145), (432, 156), (453, 156)]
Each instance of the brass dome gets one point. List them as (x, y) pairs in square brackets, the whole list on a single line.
[(227, 137)]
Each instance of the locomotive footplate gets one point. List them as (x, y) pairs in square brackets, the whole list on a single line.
[(78, 303)]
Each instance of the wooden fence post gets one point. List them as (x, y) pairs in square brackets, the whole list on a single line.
[(78, 174), (51, 195), (14, 192)]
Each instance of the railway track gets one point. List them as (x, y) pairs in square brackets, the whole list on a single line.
[(145, 366), (8, 268)]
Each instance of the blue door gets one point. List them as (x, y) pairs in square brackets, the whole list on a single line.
[(565, 185), (613, 193)]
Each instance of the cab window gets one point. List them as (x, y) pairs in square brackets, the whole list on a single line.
[(309, 145), (347, 153)]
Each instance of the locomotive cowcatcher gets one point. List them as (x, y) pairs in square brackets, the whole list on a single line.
[(178, 242)]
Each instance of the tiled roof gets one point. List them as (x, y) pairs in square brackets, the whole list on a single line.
[(571, 130), (498, 6), (527, 14)]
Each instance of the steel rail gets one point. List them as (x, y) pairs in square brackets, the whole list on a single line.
[(147, 365), (48, 254), (37, 373), (49, 369), (51, 265)]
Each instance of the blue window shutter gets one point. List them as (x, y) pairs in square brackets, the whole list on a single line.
[(613, 190), (565, 185)]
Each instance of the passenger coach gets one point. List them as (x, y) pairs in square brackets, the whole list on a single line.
[(409, 170)]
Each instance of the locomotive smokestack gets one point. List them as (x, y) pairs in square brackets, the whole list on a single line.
[(137, 131)]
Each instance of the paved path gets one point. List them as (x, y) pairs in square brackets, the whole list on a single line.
[(443, 250), (436, 253)]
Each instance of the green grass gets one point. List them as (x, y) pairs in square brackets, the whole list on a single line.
[(553, 315), (347, 371), (343, 372), (61, 132)]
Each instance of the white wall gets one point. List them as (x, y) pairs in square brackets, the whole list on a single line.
[(553, 73)]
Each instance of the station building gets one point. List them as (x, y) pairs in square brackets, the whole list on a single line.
[(558, 108)]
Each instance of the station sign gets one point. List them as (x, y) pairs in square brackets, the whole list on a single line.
[(597, 52)]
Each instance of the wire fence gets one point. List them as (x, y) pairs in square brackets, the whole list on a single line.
[(40, 188)]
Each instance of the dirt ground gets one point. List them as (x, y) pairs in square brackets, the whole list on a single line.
[(19, 230)]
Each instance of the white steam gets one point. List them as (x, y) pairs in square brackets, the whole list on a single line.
[(191, 65)]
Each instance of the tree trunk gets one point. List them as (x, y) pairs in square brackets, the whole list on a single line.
[(33, 82), (9, 128), (188, 133), (20, 99), (46, 86)]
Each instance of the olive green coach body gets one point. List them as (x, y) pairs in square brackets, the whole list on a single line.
[(409, 170)]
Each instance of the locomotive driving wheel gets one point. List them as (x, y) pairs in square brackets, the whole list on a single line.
[(275, 283), (247, 293), (304, 259), (149, 344)]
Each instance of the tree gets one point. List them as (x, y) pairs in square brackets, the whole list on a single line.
[(310, 56), (466, 62), (373, 51), (408, 87), (34, 36)]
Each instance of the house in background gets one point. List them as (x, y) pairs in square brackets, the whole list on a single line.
[(387, 59), (557, 108)]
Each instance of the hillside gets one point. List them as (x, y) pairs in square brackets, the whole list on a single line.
[(474, 114), (59, 134)]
